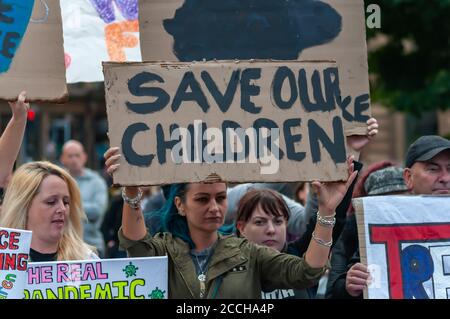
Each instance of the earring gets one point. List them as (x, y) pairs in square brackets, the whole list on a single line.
[(181, 213)]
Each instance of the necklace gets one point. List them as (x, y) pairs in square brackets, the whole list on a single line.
[(206, 255), (201, 277)]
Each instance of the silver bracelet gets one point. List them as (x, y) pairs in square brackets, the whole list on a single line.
[(321, 241), (326, 221), (132, 202)]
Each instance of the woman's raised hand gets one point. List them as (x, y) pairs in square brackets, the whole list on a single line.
[(331, 194), (19, 108)]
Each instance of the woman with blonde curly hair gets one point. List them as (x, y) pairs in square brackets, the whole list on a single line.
[(45, 199)]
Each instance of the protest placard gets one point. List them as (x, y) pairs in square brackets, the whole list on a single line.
[(14, 256), (122, 278), (405, 241), (331, 30), (31, 50), (243, 121), (96, 31)]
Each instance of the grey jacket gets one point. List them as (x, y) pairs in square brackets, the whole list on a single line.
[(94, 194)]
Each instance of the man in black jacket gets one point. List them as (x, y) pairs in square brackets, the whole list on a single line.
[(427, 171)]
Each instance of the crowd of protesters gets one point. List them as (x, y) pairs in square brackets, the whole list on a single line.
[(281, 244)]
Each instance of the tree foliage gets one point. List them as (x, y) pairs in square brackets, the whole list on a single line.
[(411, 71)]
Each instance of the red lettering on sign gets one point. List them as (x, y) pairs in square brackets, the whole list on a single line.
[(392, 236)]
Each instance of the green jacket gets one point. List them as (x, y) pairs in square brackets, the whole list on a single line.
[(237, 268)]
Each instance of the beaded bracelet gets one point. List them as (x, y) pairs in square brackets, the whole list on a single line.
[(132, 202), (321, 241), (326, 221)]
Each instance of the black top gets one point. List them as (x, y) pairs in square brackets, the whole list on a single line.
[(300, 246), (2, 193), (344, 255), (36, 256)]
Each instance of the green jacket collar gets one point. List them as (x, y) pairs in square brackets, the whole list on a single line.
[(226, 256)]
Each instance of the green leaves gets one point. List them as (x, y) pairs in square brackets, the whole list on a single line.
[(412, 71)]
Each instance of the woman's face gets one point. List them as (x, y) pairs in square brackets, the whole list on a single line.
[(205, 206), (264, 229), (49, 211)]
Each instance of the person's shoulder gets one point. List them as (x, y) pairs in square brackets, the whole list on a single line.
[(164, 235), (88, 173), (238, 188), (91, 174), (93, 256), (238, 242), (168, 239), (232, 239), (170, 243)]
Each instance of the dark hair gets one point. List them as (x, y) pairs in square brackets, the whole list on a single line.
[(168, 219), (270, 201), (300, 187)]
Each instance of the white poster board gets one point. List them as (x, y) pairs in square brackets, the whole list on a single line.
[(405, 241), (14, 256), (96, 31)]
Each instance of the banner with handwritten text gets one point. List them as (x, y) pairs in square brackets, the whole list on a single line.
[(124, 278), (96, 31), (14, 255), (405, 241)]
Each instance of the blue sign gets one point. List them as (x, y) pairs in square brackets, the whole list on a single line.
[(14, 18)]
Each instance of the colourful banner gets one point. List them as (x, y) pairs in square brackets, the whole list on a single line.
[(14, 19), (96, 31), (125, 278), (14, 255), (405, 241)]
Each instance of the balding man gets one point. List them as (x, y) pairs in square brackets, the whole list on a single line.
[(93, 192), (427, 166)]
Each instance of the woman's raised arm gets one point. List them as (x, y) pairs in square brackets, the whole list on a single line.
[(133, 224)]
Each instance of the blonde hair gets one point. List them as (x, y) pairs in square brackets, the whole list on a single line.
[(21, 190)]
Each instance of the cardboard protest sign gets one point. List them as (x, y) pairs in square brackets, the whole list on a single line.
[(332, 30), (96, 31), (123, 278), (247, 121), (405, 241), (31, 50), (14, 255)]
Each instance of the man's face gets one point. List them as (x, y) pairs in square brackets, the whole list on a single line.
[(430, 177), (74, 158)]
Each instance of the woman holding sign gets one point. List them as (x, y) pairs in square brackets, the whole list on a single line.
[(262, 217), (204, 263), (12, 137), (45, 199)]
